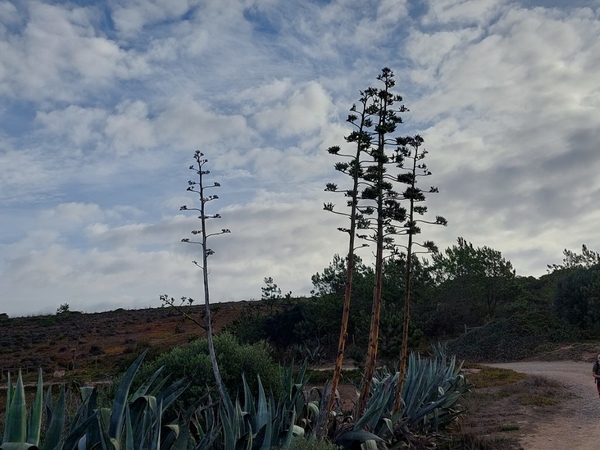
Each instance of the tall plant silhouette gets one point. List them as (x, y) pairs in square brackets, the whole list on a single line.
[(374, 205), (383, 207), (381, 162), (362, 140), (200, 188), (409, 149)]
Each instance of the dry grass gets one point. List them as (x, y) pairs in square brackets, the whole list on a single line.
[(503, 406), (486, 377), (537, 400)]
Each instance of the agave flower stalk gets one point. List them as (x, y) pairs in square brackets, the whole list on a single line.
[(410, 150), (379, 190), (200, 189), (362, 140)]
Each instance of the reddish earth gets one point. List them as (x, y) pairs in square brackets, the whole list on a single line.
[(95, 346)]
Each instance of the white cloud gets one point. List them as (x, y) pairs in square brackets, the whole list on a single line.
[(132, 16), (25, 177), (8, 13), (266, 93), (59, 53), (78, 124), (429, 51), (72, 214), (307, 109), (191, 125), (130, 128), (462, 12), (328, 31), (270, 230), (513, 87)]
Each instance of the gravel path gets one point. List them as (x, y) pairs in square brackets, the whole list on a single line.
[(578, 426)]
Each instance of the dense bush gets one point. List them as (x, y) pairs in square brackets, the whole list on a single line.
[(192, 363), (577, 299), (511, 339), (249, 327)]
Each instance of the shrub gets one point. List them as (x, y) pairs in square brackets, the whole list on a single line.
[(249, 327), (576, 300), (510, 339), (192, 363)]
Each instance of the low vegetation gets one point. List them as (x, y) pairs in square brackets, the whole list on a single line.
[(192, 364), (486, 377), (512, 339), (135, 418)]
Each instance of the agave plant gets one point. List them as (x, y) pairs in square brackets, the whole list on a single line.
[(133, 422), (256, 422), (22, 432), (429, 396)]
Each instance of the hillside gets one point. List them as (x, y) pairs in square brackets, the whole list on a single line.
[(88, 347)]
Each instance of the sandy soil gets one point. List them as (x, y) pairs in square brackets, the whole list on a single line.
[(577, 426)]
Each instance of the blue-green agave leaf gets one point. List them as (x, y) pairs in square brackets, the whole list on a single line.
[(57, 423), (35, 419), (120, 401), (15, 428), (18, 446)]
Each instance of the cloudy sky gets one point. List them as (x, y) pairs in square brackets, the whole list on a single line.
[(103, 103)]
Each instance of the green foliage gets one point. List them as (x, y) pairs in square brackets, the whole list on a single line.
[(193, 364), (271, 294), (46, 321), (333, 280), (18, 427), (429, 397), (256, 420), (328, 301), (577, 299), (320, 321), (510, 339), (282, 329), (587, 259), (249, 326), (63, 308), (328, 298), (285, 328), (473, 287), (270, 291), (133, 421)]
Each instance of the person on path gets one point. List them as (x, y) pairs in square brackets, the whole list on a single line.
[(596, 372)]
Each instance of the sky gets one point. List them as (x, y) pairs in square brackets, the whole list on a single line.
[(103, 103)]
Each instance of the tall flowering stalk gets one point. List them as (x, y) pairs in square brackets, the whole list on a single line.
[(200, 188)]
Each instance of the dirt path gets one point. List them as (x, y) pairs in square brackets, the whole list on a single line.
[(577, 427)]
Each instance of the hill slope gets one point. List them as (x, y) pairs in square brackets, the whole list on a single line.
[(94, 346)]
